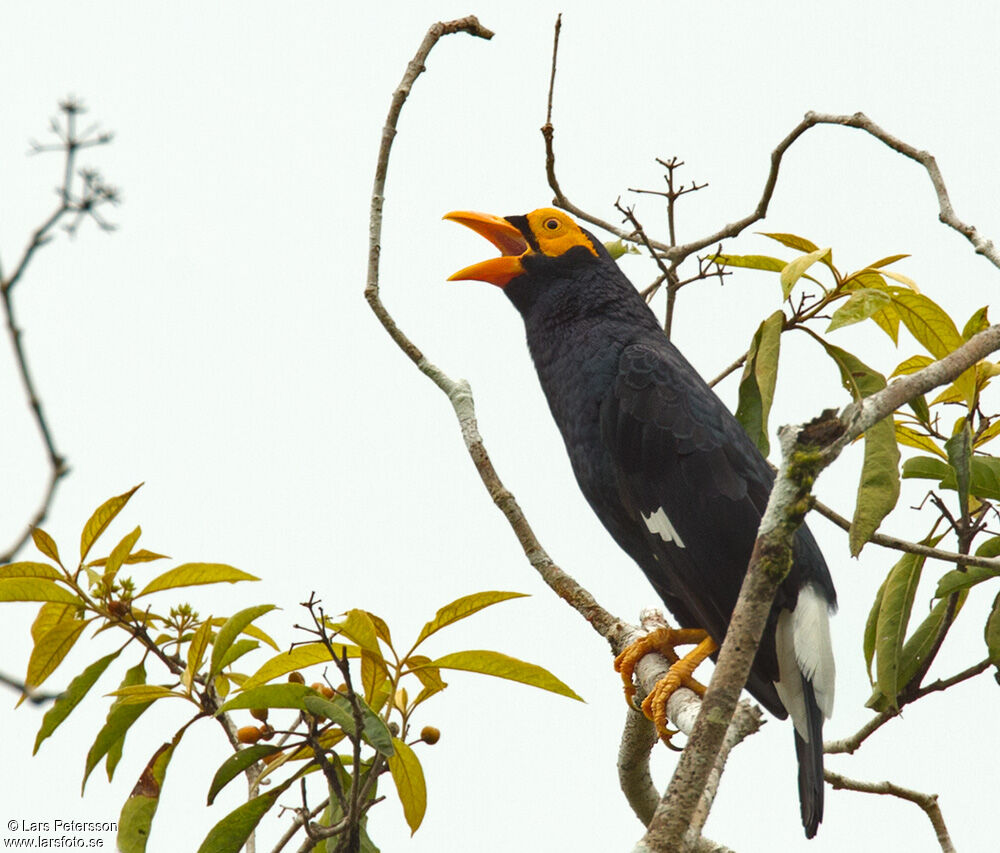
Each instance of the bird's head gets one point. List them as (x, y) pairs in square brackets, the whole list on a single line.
[(543, 240)]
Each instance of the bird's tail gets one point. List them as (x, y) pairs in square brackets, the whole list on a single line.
[(810, 756), (806, 685)]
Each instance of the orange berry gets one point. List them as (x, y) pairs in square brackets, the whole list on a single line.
[(248, 734), (296, 677), (259, 714), (430, 735)]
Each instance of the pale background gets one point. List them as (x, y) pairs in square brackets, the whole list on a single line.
[(218, 348)]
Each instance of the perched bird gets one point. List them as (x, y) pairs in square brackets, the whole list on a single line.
[(665, 466)]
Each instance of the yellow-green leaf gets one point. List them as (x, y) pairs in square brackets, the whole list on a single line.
[(793, 241), (298, 658), (861, 305), (884, 262), (760, 375), (502, 666), (139, 694), (27, 569), (871, 632), (912, 365), (920, 643), (462, 607), (51, 648), (194, 574), (795, 269), (927, 322), (36, 589), (196, 653), (978, 322), (753, 262), (48, 615), (231, 629), (381, 628), (878, 488), (357, 625), (408, 776), (119, 554), (236, 764), (912, 438), (287, 695), (102, 517), (140, 556), (902, 279), (987, 434), (45, 543)]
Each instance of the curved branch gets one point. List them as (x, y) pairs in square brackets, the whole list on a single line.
[(927, 802)]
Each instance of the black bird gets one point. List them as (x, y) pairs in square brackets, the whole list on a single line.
[(663, 463)]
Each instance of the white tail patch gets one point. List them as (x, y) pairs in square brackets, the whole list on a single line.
[(658, 523), (802, 640)]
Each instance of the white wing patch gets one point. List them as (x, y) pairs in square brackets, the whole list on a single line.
[(658, 523)]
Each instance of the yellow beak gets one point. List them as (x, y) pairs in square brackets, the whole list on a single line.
[(508, 239)]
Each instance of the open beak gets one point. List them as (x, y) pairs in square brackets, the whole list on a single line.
[(508, 239)]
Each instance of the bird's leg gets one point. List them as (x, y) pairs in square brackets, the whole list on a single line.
[(663, 640)]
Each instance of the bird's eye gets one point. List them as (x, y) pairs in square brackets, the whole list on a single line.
[(552, 224)]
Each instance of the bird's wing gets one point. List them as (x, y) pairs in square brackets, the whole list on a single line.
[(692, 479)]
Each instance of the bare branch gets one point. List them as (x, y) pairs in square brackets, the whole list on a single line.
[(927, 802), (895, 544)]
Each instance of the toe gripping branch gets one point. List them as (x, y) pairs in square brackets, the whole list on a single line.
[(664, 641)]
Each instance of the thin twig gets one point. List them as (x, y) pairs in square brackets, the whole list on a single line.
[(927, 802), (895, 544)]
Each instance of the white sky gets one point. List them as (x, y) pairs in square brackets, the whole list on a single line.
[(218, 348)]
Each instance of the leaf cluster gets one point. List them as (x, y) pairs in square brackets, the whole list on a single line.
[(353, 733)]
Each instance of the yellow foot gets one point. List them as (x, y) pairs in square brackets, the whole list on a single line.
[(663, 640)]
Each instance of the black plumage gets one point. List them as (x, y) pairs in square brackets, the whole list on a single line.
[(665, 466)]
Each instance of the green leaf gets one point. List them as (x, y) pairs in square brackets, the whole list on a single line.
[(893, 617), (288, 695), (26, 569), (111, 738), (991, 633), (792, 241), (408, 776), (921, 642), (760, 375), (102, 517), (978, 322), (878, 487), (298, 658), (338, 711), (230, 834), (985, 477), (753, 262), (36, 589), (871, 631), (137, 813), (959, 450), (236, 764), (501, 666), (119, 554), (462, 607), (959, 579), (926, 468), (50, 649), (232, 628), (918, 405), (861, 305), (617, 248), (71, 697), (795, 269), (989, 548), (45, 543), (194, 574)]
